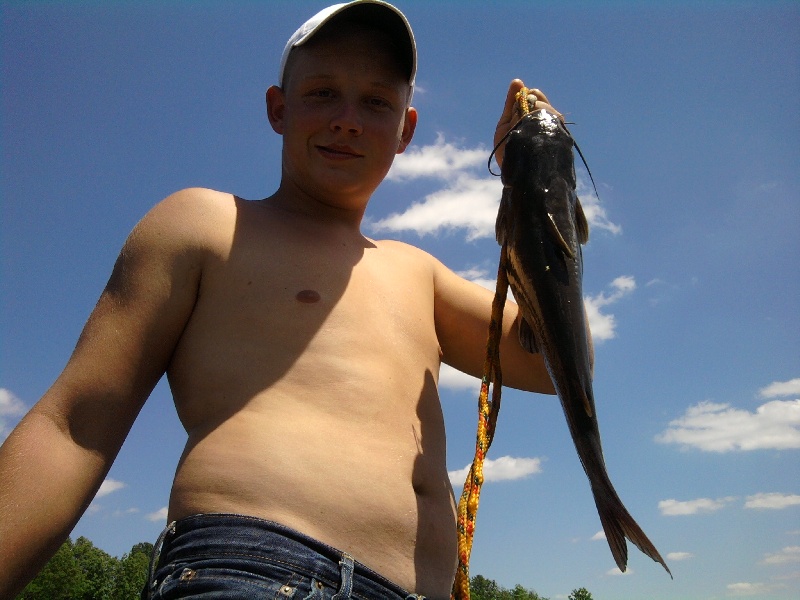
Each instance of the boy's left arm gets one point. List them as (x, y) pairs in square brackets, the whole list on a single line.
[(463, 310)]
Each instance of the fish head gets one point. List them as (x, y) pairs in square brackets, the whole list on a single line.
[(537, 147)]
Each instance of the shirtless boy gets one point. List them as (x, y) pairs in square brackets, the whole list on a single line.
[(302, 356)]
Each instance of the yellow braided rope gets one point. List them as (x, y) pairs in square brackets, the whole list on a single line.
[(487, 417)]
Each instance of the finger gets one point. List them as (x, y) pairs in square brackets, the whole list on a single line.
[(511, 101), (540, 96), (541, 102)]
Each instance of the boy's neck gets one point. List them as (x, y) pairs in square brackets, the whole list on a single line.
[(320, 210)]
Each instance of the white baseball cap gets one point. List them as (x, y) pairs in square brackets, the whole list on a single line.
[(373, 11)]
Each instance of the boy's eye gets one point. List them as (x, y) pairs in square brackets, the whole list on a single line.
[(378, 102), (321, 93)]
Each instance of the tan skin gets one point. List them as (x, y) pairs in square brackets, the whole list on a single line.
[(285, 334)]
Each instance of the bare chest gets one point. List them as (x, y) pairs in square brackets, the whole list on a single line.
[(305, 313)]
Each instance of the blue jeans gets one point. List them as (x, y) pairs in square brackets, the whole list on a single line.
[(237, 557)]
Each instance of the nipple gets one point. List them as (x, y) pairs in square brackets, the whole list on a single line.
[(308, 296)]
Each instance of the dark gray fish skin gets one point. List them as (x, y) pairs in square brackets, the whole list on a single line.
[(543, 225)]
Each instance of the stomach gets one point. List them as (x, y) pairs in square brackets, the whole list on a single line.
[(375, 487)]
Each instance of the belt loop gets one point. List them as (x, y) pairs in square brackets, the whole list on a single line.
[(151, 584), (346, 588)]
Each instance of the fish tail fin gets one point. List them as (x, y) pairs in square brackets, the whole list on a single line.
[(618, 524)]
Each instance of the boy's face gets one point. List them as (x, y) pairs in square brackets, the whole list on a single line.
[(343, 112)]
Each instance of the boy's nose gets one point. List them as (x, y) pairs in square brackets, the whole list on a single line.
[(347, 119)]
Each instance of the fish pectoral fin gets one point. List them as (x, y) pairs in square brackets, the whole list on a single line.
[(501, 225), (587, 404), (581, 224), (560, 241), (527, 339)]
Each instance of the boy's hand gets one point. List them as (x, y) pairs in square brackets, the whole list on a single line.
[(511, 113)]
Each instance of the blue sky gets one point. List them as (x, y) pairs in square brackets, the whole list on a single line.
[(687, 114)]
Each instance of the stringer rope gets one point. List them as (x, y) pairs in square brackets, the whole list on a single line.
[(487, 416)]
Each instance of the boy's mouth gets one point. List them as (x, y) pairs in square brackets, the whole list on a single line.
[(336, 151)]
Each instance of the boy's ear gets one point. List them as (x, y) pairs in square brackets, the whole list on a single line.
[(409, 125), (276, 106)]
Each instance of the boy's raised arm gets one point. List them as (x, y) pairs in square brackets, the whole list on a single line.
[(54, 461)]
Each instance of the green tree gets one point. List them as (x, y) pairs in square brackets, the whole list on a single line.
[(487, 589), (580, 594), (81, 571), (131, 572), (481, 588), (98, 569), (60, 579)]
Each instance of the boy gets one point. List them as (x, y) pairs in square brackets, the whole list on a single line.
[(302, 356)]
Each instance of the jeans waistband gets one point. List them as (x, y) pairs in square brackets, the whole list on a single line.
[(228, 534)]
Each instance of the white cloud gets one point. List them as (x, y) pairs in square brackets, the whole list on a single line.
[(595, 214), (751, 589), (600, 535), (673, 507), (789, 554), (779, 389), (468, 198), (720, 428), (603, 325), (773, 501), (453, 379), (159, 515), (481, 277), (679, 556), (108, 486), (505, 468), (467, 203), (10, 406), (442, 160), (616, 571)]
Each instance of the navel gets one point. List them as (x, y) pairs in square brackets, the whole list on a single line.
[(308, 296)]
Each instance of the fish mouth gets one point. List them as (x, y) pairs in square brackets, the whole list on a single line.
[(338, 152)]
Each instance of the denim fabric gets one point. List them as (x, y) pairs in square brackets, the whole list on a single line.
[(237, 557)]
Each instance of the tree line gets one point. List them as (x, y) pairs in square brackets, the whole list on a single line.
[(81, 571), (481, 588)]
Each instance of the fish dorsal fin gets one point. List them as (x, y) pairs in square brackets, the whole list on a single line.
[(526, 337), (581, 224), (559, 239)]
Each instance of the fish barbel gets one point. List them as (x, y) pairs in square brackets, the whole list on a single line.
[(542, 225)]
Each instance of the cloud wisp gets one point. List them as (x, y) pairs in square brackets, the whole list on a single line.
[(109, 486), (772, 501), (781, 389), (505, 468), (11, 408), (787, 555), (679, 556), (603, 326), (159, 515), (673, 508), (746, 588)]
